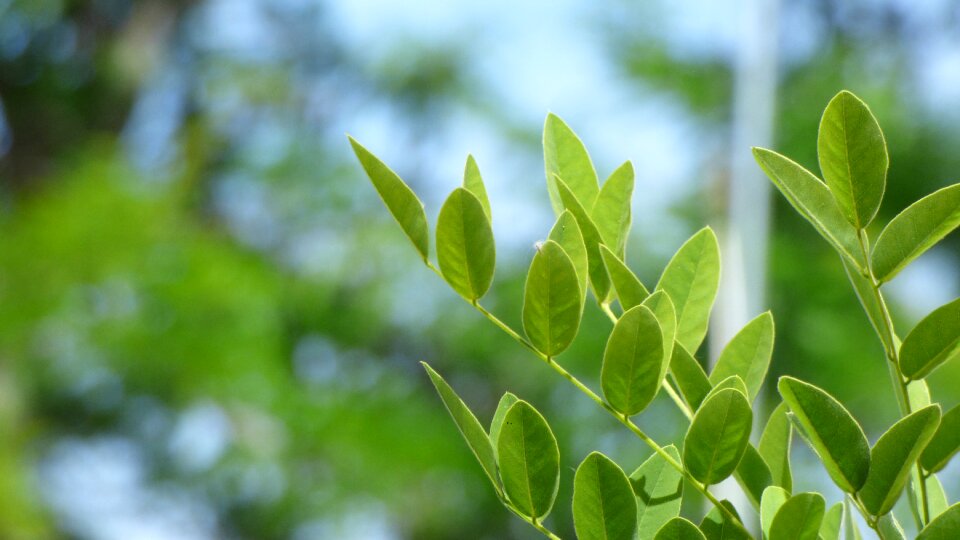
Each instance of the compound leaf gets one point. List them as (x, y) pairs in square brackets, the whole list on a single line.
[(630, 291), (770, 503), (718, 436), (748, 354), (944, 444), (690, 377), (633, 361), (799, 518), (465, 248), (551, 300), (659, 491), (506, 401), (662, 307), (832, 523), (604, 507), (591, 239), (529, 460), (473, 183), (678, 528), (945, 527), (565, 156), (691, 278), (775, 446), (611, 211), (935, 340), (566, 232)]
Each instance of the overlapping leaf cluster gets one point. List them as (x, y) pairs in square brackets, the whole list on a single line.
[(656, 333)]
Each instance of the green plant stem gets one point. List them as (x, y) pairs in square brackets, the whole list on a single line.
[(871, 520), (896, 376), (533, 522), (623, 419)]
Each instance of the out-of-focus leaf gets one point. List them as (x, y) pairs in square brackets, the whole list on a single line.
[(747, 355), (935, 340), (718, 436), (691, 278), (659, 490), (633, 361), (529, 460), (551, 300), (604, 507), (465, 248), (915, 230), (564, 155)]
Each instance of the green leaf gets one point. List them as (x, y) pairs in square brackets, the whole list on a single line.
[(799, 518), (564, 155), (678, 528), (465, 248), (944, 444), (566, 232), (832, 523), (591, 239), (832, 432), (630, 291), (753, 475), (748, 354), (399, 198), (935, 340), (529, 460), (611, 211), (850, 528), (919, 394), (863, 288), (775, 446), (506, 401), (915, 230), (936, 496), (732, 381), (604, 507), (892, 457), (770, 503), (473, 182), (690, 377), (662, 307), (633, 361), (551, 300), (718, 436), (853, 157), (889, 528), (691, 278), (716, 525), (812, 199), (945, 527), (659, 490), (468, 425)]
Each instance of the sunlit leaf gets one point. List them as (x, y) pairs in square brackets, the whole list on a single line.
[(630, 291), (678, 528), (611, 211), (799, 518), (935, 340), (566, 232), (775, 446), (633, 361), (399, 198), (691, 278), (718, 436), (812, 199), (937, 502), (717, 525), (473, 182), (591, 239), (945, 527), (690, 377), (747, 354), (832, 432), (604, 507), (889, 528), (469, 426), (770, 503), (915, 230), (945, 442), (662, 307), (551, 300), (832, 523), (564, 155), (753, 475), (465, 248), (506, 401), (529, 460), (853, 157), (659, 490)]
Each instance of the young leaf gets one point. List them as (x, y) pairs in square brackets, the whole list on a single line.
[(604, 507), (944, 444), (893, 456), (945, 527), (875, 312), (753, 475), (678, 528), (717, 525), (812, 199), (566, 232), (690, 377), (591, 239), (832, 523), (748, 354), (473, 182), (662, 307), (564, 155), (630, 290), (799, 518), (831, 431), (399, 198), (853, 157), (915, 230), (506, 401), (773, 498), (465, 248), (775, 446), (691, 278), (551, 300), (935, 340), (659, 491), (468, 425), (633, 361), (718, 436), (529, 460), (611, 211)]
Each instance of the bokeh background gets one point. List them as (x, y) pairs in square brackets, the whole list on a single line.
[(210, 327)]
